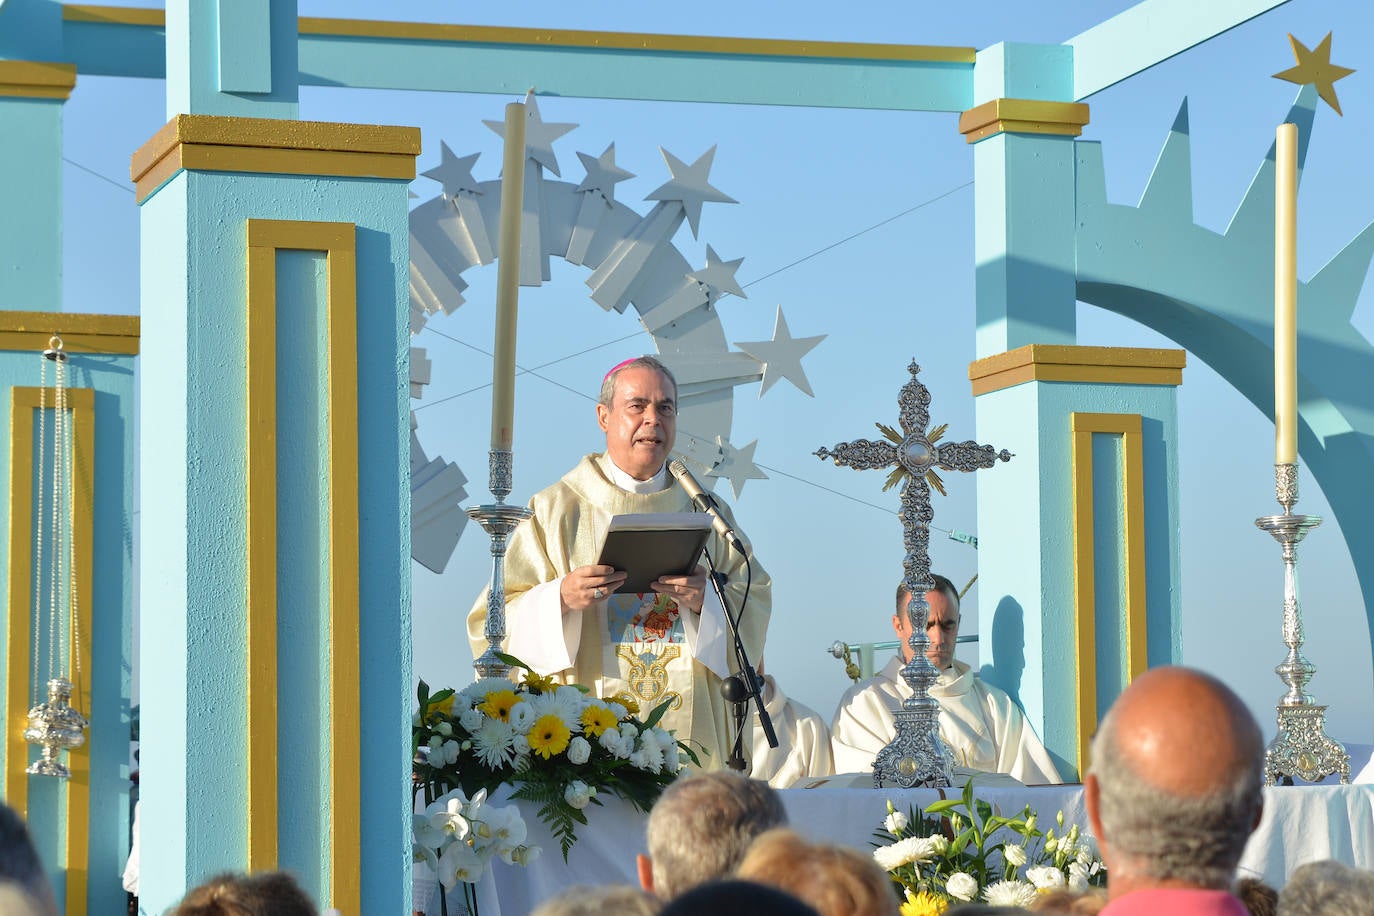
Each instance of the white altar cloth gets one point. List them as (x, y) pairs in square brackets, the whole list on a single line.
[(1300, 824)]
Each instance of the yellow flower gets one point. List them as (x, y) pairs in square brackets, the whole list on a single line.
[(443, 707), (498, 704), (549, 736), (630, 703), (924, 904), (539, 683), (596, 719)]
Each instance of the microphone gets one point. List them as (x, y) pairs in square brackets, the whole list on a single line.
[(705, 502)]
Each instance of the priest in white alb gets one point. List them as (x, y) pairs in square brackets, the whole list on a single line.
[(983, 728), (803, 750), (563, 615)]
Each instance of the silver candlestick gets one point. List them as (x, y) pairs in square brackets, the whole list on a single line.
[(916, 756), (499, 521), (1301, 748)]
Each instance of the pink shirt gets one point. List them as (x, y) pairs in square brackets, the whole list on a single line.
[(1171, 900)]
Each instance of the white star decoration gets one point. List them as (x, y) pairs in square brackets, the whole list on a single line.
[(737, 465), (539, 136), (718, 276), (454, 172), (602, 173), (781, 356), (689, 185)]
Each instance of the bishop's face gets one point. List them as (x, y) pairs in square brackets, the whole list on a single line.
[(942, 629), (641, 423)]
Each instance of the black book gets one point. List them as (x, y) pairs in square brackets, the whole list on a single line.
[(655, 544)]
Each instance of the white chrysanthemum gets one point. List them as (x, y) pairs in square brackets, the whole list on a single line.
[(477, 691), (896, 822), (579, 751), (640, 759), (566, 703), (905, 852), (1014, 854), (494, 743), (629, 733), (1045, 877), (578, 794), (610, 740), (961, 886), (1010, 893), (471, 719), (617, 710), (1078, 877)]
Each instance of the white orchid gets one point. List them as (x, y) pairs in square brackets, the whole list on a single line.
[(460, 862)]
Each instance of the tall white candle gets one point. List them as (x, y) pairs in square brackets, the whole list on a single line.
[(508, 279), (1286, 295)]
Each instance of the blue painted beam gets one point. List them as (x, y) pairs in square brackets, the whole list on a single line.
[(1150, 33), (829, 79)]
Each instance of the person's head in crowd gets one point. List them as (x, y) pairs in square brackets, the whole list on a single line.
[(607, 900), (21, 871), (701, 826), (942, 625), (1327, 888), (1174, 789), (273, 893), (637, 410), (1070, 903), (1259, 898), (836, 880), (736, 898)]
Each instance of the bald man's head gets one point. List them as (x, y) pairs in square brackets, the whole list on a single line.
[(1178, 767)]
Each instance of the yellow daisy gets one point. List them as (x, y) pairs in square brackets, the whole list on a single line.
[(596, 719), (539, 683), (549, 736), (443, 707), (498, 704), (924, 904)]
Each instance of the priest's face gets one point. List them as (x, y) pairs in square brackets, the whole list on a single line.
[(641, 423), (942, 629)]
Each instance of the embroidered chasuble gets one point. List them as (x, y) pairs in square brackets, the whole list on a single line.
[(984, 729), (636, 646)]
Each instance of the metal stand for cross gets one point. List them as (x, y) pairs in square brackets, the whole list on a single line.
[(916, 756)]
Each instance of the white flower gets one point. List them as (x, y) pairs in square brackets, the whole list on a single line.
[(610, 740), (565, 703), (905, 852), (495, 743), (961, 886), (1078, 877), (444, 729), (460, 862), (446, 817), (579, 751), (427, 839), (1009, 893), (524, 855), (896, 822), (506, 827), (522, 747), (1087, 850), (1045, 877), (477, 691), (639, 759), (617, 710), (938, 844), (1014, 854), (522, 716), (471, 719), (629, 733), (578, 794)]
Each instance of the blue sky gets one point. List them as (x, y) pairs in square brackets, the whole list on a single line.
[(805, 179)]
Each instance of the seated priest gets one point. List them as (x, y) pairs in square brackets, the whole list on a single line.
[(981, 725), (563, 617), (803, 750)]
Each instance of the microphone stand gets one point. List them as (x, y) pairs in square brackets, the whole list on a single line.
[(738, 689)]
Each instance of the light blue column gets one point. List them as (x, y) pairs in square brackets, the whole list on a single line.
[(90, 847), (31, 182), (1026, 531), (1024, 217)]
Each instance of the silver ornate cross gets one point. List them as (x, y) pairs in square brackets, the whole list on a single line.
[(916, 756)]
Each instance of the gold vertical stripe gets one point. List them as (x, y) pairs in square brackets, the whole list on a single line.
[(78, 789), (338, 241), (262, 555), (1128, 426)]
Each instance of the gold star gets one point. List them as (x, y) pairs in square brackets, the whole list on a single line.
[(1315, 67)]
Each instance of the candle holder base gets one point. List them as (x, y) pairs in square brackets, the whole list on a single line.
[(1302, 749)]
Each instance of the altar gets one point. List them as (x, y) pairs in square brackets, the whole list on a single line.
[(1300, 824)]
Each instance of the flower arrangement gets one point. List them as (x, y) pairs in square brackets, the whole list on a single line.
[(961, 850), (458, 836), (558, 745)]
